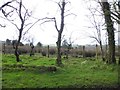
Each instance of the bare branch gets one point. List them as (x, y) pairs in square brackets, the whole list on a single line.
[(56, 24), (59, 6), (117, 16), (2, 25), (70, 14), (118, 21), (12, 7), (20, 15), (26, 25), (6, 4), (49, 20), (95, 38), (11, 21), (35, 23)]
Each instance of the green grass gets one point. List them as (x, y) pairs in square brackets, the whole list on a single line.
[(76, 73)]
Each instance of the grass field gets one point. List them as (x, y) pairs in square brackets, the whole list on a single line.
[(76, 73)]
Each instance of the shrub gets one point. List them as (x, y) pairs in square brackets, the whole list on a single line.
[(52, 51), (43, 53), (90, 54), (22, 51)]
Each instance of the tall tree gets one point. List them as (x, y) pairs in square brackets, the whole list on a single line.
[(110, 30), (119, 32), (20, 14), (62, 8), (62, 5)]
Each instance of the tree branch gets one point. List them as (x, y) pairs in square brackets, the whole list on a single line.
[(6, 4), (56, 24), (2, 25)]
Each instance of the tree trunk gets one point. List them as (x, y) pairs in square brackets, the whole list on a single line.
[(62, 8), (17, 54), (119, 34), (110, 30), (17, 44), (102, 51), (59, 61)]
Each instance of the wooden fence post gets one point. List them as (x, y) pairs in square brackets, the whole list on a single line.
[(48, 51), (96, 51), (4, 48), (83, 51)]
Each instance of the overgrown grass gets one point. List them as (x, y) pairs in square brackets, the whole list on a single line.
[(76, 73)]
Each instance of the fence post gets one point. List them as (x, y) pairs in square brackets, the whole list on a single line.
[(48, 51), (96, 51), (83, 51)]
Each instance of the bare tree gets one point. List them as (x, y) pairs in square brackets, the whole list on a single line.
[(96, 19), (22, 18), (62, 5)]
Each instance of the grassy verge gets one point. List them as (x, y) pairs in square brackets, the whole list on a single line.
[(75, 73)]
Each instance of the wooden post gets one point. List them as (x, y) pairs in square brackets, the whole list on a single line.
[(83, 51), (4, 48), (96, 51), (48, 51)]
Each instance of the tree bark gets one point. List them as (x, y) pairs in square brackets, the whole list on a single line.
[(17, 44), (17, 55), (59, 61), (110, 30)]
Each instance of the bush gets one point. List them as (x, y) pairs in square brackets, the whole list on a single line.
[(43, 53), (22, 51), (52, 51), (90, 54)]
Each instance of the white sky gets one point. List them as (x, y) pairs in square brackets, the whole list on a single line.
[(46, 33)]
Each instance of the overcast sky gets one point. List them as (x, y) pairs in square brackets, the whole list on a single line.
[(75, 26)]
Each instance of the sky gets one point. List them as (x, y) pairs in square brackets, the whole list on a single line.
[(76, 26)]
